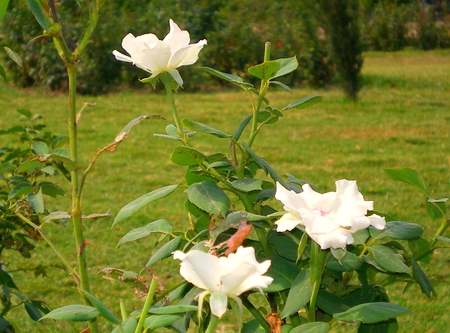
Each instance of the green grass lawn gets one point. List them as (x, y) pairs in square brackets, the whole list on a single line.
[(402, 119)]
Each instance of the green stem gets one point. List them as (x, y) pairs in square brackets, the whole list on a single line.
[(66, 263), (313, 301), (318, 261), (212, 324), (76, 196), (255, 313), (123, 310), (444, 225), (262, 93), (147, 304), (167, 80)]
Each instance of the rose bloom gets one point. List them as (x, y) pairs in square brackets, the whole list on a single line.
[(223, 277), (157, 56), (329, 219)]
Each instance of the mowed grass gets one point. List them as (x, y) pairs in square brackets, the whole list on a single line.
[(402, 119)]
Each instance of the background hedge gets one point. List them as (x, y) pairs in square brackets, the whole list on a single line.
[(236, 31)]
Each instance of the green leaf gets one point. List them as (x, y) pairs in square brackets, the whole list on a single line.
[(409, 176), (287, 65), (102, 309), (29, 166), (41, 148), (330, 303), (51, 189), (73, 313), (3, 8), (164, 251), (281, 85), (437, 207), (128, 326), (25, 112), (237, 134), (209, 197), (205, 129), (159, 226), (316, 327), (14, 56), (265, 71), (131, 208), (36, 201), (349, 262), (39, 14), (171, 309), (20, 190), (390, 326), (153, 322), (443, 239), (59, 142), (304, 103), (70, 165), (32, 311), (283, 273), (228, 77), (401, 230), (247, 185), (423, 281), (369, 313), (186, 156), (3, 73), (299, 294), (389, 259)]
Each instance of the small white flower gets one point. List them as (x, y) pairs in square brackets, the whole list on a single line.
[(223, 277), (329, 219), (157, 56)]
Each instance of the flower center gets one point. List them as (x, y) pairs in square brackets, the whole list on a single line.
[(319, 211)]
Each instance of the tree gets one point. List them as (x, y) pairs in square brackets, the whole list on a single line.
[(340, 19)]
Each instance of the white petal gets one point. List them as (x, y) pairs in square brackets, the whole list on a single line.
[(176, 38), (319, 224), (377, 221), (121, 57), (154, 60), (337, 239), (292, 201), (199, 268), (351, 201), (315, 200), (218, 302), (244, 272), (288, 222), (192, 54)]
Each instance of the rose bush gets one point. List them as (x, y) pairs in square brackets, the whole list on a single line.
[(335, 266)]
